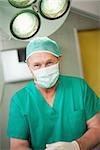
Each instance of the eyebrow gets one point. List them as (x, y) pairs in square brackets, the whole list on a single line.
[(38, 62)]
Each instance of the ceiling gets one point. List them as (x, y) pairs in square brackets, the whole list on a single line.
[(89, 8)]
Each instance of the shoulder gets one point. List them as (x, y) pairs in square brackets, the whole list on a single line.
[(72, 80), (21, 96), (23, 90), (79, 86), (76, 84)]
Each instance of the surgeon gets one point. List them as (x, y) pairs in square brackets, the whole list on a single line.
[(53, 111)]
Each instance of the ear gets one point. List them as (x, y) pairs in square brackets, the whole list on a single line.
[(29, 67), (60, 58), (34, 78)]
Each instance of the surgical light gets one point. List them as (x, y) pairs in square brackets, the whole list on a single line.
[(53, 9), (25, 24), (41, 18), (21, 3)]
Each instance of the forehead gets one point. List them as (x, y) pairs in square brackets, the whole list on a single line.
[(41, 56)]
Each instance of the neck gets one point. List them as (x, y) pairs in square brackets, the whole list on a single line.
[(48, 92)]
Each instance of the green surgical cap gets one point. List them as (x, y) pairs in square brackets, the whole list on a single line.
[(42, 44)]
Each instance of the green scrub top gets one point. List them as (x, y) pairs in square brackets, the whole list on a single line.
[(32, 118)]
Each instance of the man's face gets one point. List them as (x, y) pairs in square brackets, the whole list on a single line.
[(42, 60)]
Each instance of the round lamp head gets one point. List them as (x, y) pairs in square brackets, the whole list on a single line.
[(21, 3), (53, 9), (25, 24)]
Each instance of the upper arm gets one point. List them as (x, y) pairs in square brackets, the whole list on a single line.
[(16, 144), (91, 101), (17, 122), (94, 121)]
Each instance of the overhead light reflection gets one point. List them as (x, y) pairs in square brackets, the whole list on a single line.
[(53, 9), (21, 3), (25, 24)]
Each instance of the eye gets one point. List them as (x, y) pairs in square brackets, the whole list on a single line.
[(49, 63), (36, 66)]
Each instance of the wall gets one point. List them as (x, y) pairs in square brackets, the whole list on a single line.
[(71, 63), (66, 37), (91, 67), (9, 89), (91, 7)]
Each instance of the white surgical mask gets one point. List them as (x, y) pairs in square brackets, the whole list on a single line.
[(46, 77)]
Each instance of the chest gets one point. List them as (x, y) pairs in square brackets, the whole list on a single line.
[(65, 120), (51, 126)]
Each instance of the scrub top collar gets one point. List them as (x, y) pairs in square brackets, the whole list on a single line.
[(40, 98)]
